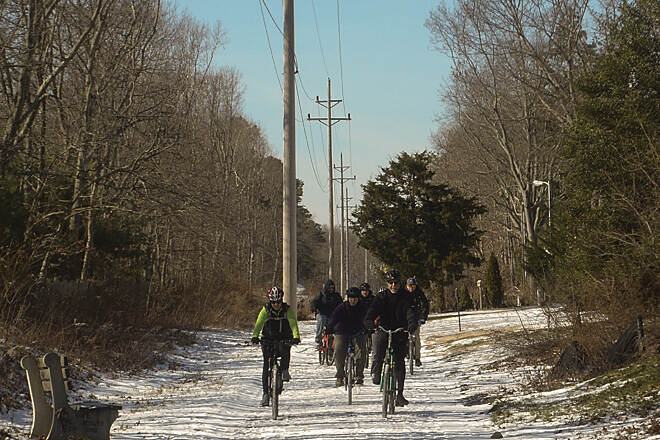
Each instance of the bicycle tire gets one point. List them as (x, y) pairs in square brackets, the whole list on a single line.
[(386, 392), (411, 355), (275, 396), (330, 353), (367, 351), (321, 356), (349, 378)]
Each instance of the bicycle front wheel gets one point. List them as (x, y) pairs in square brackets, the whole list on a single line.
[(349, 377), (386, 389), (274, 391), (411, 355)]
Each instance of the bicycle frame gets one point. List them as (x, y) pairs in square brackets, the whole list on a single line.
[(388, 383), (275, 382), (326, 351)]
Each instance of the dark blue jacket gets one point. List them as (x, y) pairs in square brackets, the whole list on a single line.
[(347, 319)]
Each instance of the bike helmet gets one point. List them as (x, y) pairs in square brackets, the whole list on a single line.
[(411, 281), (365, 286), (353, 292), (392, 276), (275, 294)]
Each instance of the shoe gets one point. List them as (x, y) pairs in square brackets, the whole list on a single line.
[(418, 363), (401, 401), (339, 382), (286, 376), (265, 400), (375, 379), (359, 380)]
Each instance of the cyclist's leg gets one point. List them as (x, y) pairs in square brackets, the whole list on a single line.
[(321, 321), (418, 344), (360, 355), (266, 350), (284, 363), (399, 342), (341, 346), (379, 346)]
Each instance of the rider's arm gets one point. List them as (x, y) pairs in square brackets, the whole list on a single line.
[(373, 312), (261, 320), (293, 322)]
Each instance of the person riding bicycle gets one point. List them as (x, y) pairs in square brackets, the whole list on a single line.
[(421, 303), (367, 296), (395, 310), (276, 322), (347, 322), (323, 305)]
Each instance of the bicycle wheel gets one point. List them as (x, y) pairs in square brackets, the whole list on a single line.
[(321, 356), (392, 392), (274, 392), (386, 389), (330, 354), (367, 352), (411, 355), (350, 377)]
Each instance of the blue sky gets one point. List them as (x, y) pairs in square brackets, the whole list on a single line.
[(392, 80)]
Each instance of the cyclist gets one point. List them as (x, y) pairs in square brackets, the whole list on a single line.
[(367, 295), (323, 305), (395, 309), (422, 304), (347, 322), (276, 321)]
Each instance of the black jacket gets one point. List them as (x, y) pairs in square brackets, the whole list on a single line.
[(367, 300), (325, 302), (347, 319), (396, 310), (421, 302)]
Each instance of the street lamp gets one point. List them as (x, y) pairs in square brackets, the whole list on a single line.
[(539, 183)]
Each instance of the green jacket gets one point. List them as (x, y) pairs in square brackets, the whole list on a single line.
[(273, 324)]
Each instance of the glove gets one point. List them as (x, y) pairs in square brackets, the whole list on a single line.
[(295, 341), (412, 329), (254, 340), (422, 321)]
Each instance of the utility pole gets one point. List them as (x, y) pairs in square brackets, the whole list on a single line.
[(289, 258), (348, 248), (366, 266), (343, 242), (329, 122)]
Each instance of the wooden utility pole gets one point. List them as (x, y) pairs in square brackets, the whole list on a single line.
[(343, 238), (329, 121), (347, 241), (289, 260)]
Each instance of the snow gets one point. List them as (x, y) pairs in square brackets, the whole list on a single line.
[(211, 390)]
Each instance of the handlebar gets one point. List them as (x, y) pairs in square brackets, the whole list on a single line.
[(391, 332), (289, 342)]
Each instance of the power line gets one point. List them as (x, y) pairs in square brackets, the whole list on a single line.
[(271, 17), (341, 63), (318, 37), (272, 57), (312, 157)]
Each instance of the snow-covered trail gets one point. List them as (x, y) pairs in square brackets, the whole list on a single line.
[(212, 390), (215, 392)]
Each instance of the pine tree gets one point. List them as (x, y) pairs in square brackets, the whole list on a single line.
[(416, 225), (493, 283), (465, 300)]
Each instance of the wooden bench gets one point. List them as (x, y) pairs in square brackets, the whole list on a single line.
[(52, 416)]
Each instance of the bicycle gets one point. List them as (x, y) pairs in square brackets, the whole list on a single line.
[(412, 352), (367, 350), (275, 382), (326, 349), (387, 380), (349, 369)]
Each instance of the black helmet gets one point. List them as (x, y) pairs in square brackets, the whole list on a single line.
[(353, 292), (365, 286), (392, 275), (275, 294), (411, 281)]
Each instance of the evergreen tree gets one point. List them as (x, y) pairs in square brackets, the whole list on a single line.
[(418, 226), (612, 171), (464, 299), (493, 283)]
